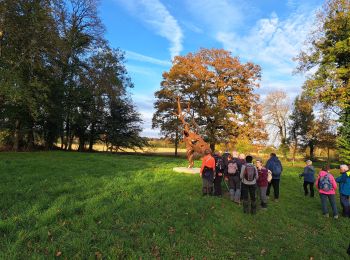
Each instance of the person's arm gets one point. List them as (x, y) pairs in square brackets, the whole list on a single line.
[(202, 167), (318, 179), (334, 183), (257, 174), (242, 172)]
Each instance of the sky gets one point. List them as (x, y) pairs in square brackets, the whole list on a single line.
[(269, 33)]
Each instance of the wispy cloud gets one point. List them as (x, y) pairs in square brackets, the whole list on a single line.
[(155, 15), (143, 58), (273, 43)]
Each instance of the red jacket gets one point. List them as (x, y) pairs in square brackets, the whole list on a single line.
[(208, 161), (262, 180)]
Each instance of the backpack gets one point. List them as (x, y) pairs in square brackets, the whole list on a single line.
[(219, 164), (324, 183), (249, 172), (232, 168), (276, 168)]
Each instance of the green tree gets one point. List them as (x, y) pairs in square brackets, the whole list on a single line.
[(328, 52)]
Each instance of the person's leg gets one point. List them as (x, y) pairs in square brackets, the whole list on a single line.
[(204, 186), (268, 189), (252, 193), (218, 189), (276, 188), (324, 203), (312, 194), (345, 202), (331, 198), (342, 205), (231, 184), (244, 190), (210, 184), (305, 188), (237, 194), (263, 197)]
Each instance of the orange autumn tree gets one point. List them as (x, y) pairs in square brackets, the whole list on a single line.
[(220, 92)]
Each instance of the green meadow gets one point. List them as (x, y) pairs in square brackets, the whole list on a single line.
[(105, 206)]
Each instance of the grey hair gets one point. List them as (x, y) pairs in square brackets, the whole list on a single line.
[(344, 166)]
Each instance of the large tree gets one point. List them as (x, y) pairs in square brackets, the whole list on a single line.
[(328, 54), (220, 91), (276, 113)]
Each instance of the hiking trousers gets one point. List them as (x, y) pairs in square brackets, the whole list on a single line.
[(331, 198), (234, 183), (248, 192), (261, 192), (207, 186), (275, 183), (217, 186), (344, 201), (311, 185)]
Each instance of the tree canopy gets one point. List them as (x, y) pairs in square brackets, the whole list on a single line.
[(220, 92)]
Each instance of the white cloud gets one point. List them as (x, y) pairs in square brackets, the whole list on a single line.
[(155, 15), (143, 58), (273, 43)]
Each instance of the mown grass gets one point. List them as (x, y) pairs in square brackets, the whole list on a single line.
[(86, 206)]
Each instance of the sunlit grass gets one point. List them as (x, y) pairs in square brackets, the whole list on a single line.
[(79, 205)]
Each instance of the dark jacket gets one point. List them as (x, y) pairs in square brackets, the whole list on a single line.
[(272, 164), (308, 174)]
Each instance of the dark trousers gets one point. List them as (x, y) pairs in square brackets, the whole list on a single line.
[(331, 198), (344, 201), (217, 186), (311, 185), (249, 191), (275, 183)]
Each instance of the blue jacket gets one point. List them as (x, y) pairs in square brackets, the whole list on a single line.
[(272, 164), (344, 183), (309, 173)]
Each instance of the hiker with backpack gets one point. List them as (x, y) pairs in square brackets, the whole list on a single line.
[(275, 166), (344, 189), (219, 173), (309, 178), (207, 172), (326, 186), (249, 177), (262, 183), (232, 172)]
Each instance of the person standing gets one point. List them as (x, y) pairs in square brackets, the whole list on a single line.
[(344, 189), (275, 166), (207, 172), (309, 178), (326, 186), (262, 183), (232, 173), (219, 173), (249, 177)]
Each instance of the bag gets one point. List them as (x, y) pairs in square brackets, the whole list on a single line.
[(219, 165), (208, 173), (232, 168), (276, 168), (269, 176), (324, 183), (249, 172)]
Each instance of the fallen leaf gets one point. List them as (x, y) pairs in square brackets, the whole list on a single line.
[(98, 255), (58, 253)]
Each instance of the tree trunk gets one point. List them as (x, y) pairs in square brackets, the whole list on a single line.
[(66, 146), (176, 141), (31, 139), (62, 141), (71, 138), (91, 139), (328, 160), (81, 143), (212, 147), (17, 136), (295, 151), (312, 148)]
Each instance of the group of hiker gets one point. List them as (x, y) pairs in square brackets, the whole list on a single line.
[(246, 181)]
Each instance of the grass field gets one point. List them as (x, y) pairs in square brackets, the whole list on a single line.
[(87, 206)]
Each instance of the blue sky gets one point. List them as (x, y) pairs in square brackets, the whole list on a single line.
[(151, 32)]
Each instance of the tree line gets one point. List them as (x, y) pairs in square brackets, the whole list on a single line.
[(60, 81)]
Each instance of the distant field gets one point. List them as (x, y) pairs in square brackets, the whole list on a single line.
[(84, 206)]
